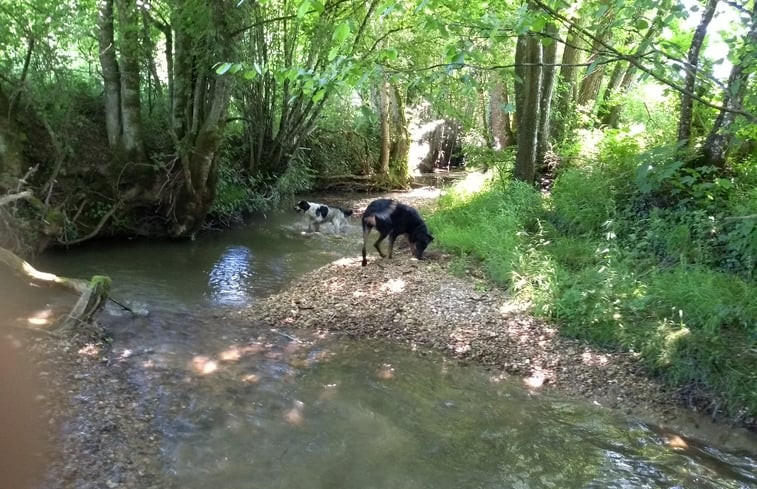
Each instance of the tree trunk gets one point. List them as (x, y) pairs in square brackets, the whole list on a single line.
[(400, 136), (545, 103), (384, 116), (501, 128), (592, 81), (716, 146), (692, 63), (567, 92), (528, 89), (613, 86), (131, 120), (111, 76), (201, 99), (610, 110)]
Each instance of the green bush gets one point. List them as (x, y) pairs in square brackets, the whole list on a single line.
[(671, 283), (582, 202)]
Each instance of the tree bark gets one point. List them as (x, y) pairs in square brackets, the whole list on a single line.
[(131, 120), (201, 100), (692, 63), (592, 81), (545, 98), (567, 92), (528, 61), (716, 146), (501, 128), (111, 75), (386, 143)]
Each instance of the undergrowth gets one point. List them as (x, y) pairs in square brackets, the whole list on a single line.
[(622, 266)]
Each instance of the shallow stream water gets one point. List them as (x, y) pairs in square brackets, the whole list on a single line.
[(242, 405)]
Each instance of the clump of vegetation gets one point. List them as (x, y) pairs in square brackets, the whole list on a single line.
[(657, 264)]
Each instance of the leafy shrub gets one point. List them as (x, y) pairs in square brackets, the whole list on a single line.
[(583, 202)]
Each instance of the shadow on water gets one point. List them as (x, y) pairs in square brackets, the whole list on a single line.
[(241, 405)]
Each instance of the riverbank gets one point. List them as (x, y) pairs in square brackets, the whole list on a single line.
[(422, 304)]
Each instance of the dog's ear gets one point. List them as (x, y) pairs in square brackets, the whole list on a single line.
[(303, 204)]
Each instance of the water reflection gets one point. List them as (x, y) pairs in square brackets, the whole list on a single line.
[(230, 277)]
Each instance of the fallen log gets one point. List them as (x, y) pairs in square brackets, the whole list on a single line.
[(92, 294)]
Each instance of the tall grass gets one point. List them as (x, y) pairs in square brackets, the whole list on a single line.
[(620, 274)]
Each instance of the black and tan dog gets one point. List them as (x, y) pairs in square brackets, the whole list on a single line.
[(392, 218), (318, 214)]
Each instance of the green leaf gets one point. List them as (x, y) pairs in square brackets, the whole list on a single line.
[(223, 68), (389, 54), (303, 9), (250, 74), (319, 95), (341, 32)]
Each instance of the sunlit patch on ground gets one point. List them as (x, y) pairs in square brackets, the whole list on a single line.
[(510, 308), (594, 359), (395, 285), (89, 350), (424, 193), (538, 378), (203, 365)]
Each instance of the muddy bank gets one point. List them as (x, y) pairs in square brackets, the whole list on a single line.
[(100, 431), (422, 304)]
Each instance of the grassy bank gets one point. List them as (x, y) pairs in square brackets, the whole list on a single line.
[(597, 256)]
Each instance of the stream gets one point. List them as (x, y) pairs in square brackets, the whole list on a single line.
[(242, 405)]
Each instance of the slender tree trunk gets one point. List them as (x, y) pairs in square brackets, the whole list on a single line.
[(567, 92), (612, 87), (131, 120), (610, 110), (592, 81), (612, 117), (400, 148), (501, 128), (111, 76), (386, 143), (716, 146), (692, 63), (528, 61), (547, 87)]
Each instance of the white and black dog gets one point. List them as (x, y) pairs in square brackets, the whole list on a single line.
[(321, 213)]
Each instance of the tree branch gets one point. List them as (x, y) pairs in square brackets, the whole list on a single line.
[(631, 59)]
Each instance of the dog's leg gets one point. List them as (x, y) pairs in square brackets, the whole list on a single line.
[(366, 232), (392, 238), (378, 243)]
